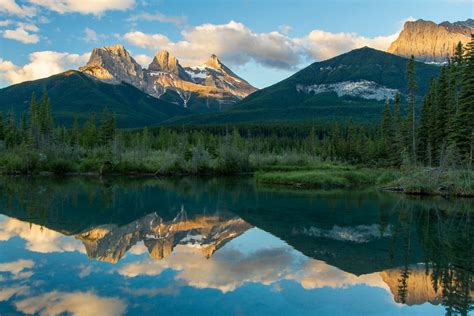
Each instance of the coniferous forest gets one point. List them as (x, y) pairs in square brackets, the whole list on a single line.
[(420, 146)]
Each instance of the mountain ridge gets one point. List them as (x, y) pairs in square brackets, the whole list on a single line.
[(209, 87), (352, 85)]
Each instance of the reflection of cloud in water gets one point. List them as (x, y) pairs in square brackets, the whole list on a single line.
[(7, 292), (16, 268), (38, 239), (77, 303), (357, 234), (230, 268), (317, 274)]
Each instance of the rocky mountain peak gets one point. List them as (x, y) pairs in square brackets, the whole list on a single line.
[(213, 62), (164, 61), (431, 42), (113, 64), (209, 85)]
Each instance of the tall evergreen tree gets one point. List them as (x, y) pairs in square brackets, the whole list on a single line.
[(426, 125), (107, 128), (2, 129), (463, 135), (10, 131), (412, 102)]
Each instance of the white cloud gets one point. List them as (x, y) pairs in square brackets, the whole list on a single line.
[(96, 7), (76, 303), (6, 65), (28, 27), (21, 35), (38, 239), (285, 29), (4, 23), (160, 17), (323, 45), (143, 60), (12, 8), (91, 36), (233, 42), (237, 45)]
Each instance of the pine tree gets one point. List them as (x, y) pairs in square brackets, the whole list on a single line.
[(412, 102), (10, 132), (463, 135), (89, 137), (2, 129), (107, 128), (398, 143), (75, 131), (424, 136), (386, 130)]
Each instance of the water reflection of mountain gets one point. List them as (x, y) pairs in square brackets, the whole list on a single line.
[(422, 246), (208, 233)]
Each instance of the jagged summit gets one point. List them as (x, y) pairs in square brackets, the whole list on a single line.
[(210, 85), (113, 64), (213, 62), (164, 61)]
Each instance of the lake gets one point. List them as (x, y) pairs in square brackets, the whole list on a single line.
[(227, 246)]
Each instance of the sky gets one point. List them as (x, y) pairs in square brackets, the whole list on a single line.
[(263, 41)]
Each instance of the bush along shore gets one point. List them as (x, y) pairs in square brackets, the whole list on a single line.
[(412, 150)]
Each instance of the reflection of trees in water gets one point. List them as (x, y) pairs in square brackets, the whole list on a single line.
[(444, 233)]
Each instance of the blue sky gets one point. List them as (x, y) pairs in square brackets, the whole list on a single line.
[(263, 41)]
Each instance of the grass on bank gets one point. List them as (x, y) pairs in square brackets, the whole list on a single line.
[(325, 176), (422, 181)]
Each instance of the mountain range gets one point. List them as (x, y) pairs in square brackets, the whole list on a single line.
[(352, 85), (210, 86)]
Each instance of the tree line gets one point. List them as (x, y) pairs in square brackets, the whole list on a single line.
[(442, 130)]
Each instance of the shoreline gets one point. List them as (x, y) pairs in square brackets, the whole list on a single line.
[(301, 185)]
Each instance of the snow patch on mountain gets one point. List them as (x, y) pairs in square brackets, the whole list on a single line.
[(363, 89), (358, 234)]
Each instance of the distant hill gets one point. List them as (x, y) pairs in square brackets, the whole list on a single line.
[(73, 92), (355, 84)]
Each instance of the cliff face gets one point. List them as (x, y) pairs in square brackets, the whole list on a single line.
[(431, 42), (113, 64), (211, 81)]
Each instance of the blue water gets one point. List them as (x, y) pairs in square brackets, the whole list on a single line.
[(117, 246)]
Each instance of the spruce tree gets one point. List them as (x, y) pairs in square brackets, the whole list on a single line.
[(10, 132), (75, 131), (107, 128), (89, 135), (386, 129), (412, 102), (463, 135), (2, 129), (425, 129)]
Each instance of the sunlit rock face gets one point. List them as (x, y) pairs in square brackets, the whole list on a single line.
[(207, 233), (211, 80), (113, 64), (431, 42)]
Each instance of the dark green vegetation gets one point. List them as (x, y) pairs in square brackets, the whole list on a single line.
[(74, 94), (427, 154), (282, 102)]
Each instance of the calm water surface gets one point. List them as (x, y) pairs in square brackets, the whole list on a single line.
[(229, 247)]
